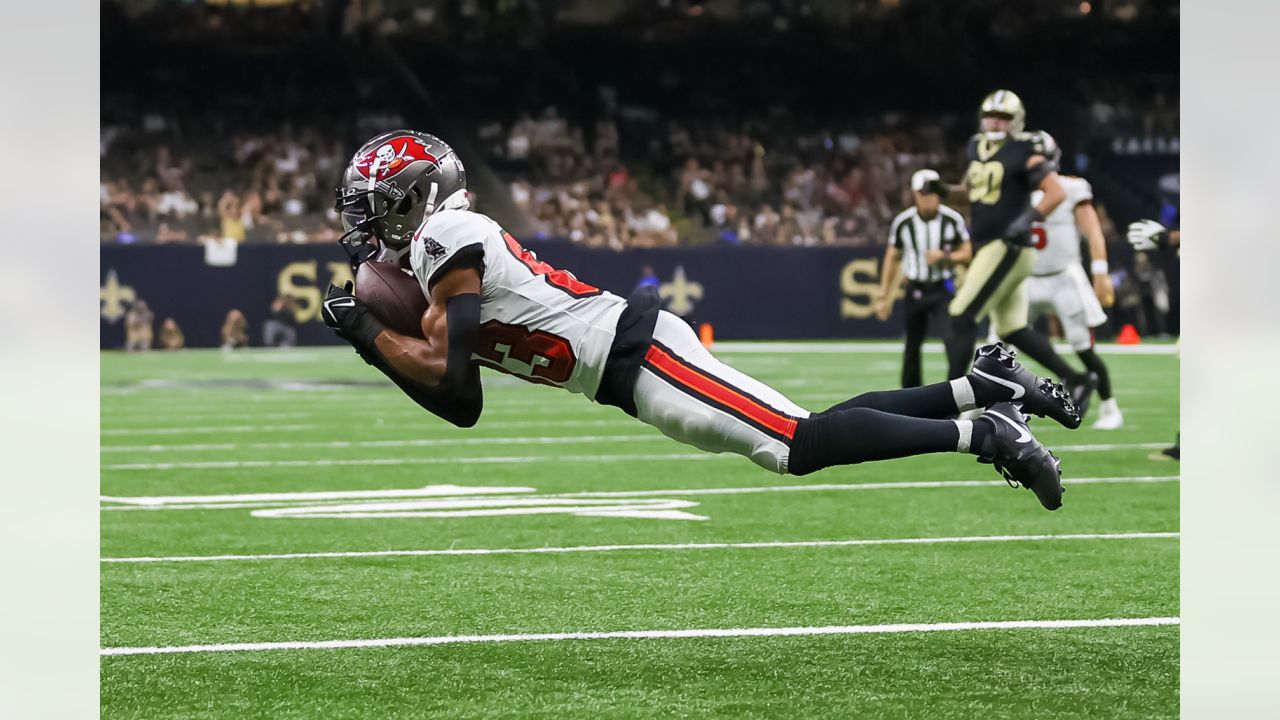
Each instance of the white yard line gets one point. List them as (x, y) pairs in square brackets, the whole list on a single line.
[(896, 347), (481, 460), (1108, 447), (651, 635), (171, 430), (920, 484), (339, 462), (673, 547), (236, 502), (429, 423), (503, 440), (313, 406), (410, 442)]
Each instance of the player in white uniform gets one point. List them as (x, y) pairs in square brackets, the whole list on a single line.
[(1058, 284), (493, 303)]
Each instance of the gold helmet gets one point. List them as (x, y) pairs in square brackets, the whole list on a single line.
[(1005, 103)]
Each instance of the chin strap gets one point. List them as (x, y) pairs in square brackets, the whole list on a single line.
[(358, 249)]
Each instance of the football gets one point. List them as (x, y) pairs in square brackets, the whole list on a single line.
[(393, 295)]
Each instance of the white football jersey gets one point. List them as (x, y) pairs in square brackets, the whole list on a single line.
[(1060, 247), (536, 322)]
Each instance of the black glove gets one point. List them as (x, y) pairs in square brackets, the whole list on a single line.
[(350, 318), (1019, 231)]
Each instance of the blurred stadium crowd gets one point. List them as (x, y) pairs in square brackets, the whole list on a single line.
[(647, 159), (752, 182)]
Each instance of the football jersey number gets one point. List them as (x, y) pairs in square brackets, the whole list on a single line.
[(984, 181), (1040, 235), (550, 358), (562, 279)]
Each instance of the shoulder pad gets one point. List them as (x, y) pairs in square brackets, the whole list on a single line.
[(1034, 138)]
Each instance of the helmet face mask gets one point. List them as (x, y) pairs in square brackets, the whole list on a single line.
[(393, 183)]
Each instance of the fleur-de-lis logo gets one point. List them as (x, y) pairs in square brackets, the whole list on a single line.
[(680, 294), (115, 297)]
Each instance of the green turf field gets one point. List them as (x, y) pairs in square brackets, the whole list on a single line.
[(293, 497)]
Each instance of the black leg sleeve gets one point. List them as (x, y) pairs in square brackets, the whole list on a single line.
[(1094, 364), (930, 401), (848, 437), (1037, 347)]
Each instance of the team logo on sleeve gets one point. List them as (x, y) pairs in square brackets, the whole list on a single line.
[(433, 249), (393, 157)]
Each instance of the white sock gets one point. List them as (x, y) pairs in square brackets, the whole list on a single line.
[(966, 435), (962, 391), (1109, 406)]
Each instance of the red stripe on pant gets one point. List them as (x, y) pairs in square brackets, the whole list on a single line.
[(709, 387)]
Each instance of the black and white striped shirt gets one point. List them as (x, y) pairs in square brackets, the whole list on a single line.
[(915, 236)]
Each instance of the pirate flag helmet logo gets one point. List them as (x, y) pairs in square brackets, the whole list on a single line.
[(394, 182)]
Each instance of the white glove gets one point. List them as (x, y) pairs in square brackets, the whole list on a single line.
[(1147, 235)]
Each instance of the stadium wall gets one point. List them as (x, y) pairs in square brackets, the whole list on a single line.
[(746, 293)]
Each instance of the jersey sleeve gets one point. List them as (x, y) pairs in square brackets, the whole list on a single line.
[(962, 229), (1036, 144), (448, 239), (1080, 192), (895, 236)]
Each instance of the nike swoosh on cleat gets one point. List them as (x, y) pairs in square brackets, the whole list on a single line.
[(1023, 435), (1018, 390)]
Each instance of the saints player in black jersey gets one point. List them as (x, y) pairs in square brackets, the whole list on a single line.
[(1007, 164)]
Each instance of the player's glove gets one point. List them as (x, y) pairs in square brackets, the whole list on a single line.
[(1019, 230), (1147, 235), (349, 317)]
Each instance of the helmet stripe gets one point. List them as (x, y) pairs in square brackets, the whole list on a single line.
[(431, 196)]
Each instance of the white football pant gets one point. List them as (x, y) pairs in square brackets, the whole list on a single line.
[(694, 398), (1068, 295)]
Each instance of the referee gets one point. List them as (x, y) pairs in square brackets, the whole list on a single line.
[(926, 241)]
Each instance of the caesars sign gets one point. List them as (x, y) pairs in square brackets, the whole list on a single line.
[(305, 282), (302, 282), (859, 283)]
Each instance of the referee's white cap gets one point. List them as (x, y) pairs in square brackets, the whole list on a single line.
[(922, 177)]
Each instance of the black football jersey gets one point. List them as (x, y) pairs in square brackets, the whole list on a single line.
[(999, 185)]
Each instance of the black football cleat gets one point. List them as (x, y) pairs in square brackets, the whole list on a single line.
[(1170, 453), (997, 376), (1019, 457), (1082, 391)]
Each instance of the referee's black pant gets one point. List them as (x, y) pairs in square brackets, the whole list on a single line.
[(924, 300)]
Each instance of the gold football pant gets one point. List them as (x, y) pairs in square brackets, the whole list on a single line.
[(996, 284)]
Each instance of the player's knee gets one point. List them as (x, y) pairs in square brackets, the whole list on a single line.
[(1081, 343), (1009, 335)]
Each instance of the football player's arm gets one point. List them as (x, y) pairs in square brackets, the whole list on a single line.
[(1044, 174), (461, 407), (1091, 228), (437, 372), (449, 326), (953, 194), (883, 304)]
